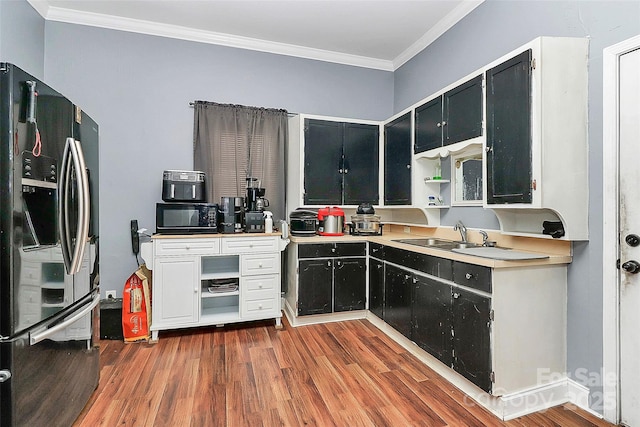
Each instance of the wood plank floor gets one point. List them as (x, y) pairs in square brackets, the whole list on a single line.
[(336, 374)]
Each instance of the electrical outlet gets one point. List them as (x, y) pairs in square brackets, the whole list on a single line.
[(407, 229), (111, 294)]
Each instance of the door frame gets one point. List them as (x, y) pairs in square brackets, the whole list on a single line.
[(611, 248)]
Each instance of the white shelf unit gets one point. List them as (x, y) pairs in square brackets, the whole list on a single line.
[(219, 270)]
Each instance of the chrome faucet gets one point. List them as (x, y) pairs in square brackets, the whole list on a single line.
[(462, 229)]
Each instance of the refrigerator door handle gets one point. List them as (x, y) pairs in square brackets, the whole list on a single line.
[(73, 249), (36, 337)]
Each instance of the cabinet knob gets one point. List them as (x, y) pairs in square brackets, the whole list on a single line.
[(408, 166), (195, 290), (333, 250), (259, 306), (488, 149), (468, 276), (260, 286), (346, 171), (444, 123), (259, 265), (456, 295), (415, 280), (439, 124)]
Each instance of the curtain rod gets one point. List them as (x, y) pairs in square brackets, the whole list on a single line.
[(193, 103)]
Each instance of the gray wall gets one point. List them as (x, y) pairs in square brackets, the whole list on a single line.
[(22, 36), (490, 31), (138, 89)]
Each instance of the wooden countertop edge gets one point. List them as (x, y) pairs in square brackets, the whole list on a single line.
[(213, 236)]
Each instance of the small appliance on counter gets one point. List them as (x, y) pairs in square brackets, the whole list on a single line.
[(232, 215), (303, 222), (331, 221), (254, 215), (365, 222), (183, 186), (186, 218)]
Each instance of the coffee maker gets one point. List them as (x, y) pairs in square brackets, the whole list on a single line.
[(255, 204)]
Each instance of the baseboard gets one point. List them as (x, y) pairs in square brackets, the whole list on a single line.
[(321, 318)]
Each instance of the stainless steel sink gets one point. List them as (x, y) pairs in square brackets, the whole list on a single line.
[(435, 243)]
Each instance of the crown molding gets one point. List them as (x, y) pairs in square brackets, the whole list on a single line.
[(184, 33), (439, 29)]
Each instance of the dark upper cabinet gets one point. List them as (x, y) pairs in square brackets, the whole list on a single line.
[(472, 337), (452, 117), (508, 157), (397, 161), (322, 162), (360, 166), (338, 158), (315, 297), (429, 126)]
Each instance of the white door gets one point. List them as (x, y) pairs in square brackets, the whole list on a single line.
[(629, 181)]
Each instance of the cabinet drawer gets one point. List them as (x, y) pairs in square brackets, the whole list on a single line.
[(261, 264), (435, 266), (243, 245), (324, 250), (260, 287), (472, 276), (261, 308), (187, 247)]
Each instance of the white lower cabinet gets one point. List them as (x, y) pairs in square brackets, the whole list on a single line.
[(200, 281)]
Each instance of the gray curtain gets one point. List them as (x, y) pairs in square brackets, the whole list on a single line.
[(233, 142)]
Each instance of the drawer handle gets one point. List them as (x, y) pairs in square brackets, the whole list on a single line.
[(260, 265), (260, 286), (259, 306), (469, 276)]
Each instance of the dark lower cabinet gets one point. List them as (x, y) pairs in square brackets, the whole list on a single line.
[(471, 337), (398, 290), (432, 318), (332, 277), (315, 291), (376, 287), (349, 283)]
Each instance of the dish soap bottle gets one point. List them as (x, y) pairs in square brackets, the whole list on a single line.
[(268, 222), (437, 171)]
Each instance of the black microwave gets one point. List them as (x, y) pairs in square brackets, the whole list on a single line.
[(186, 218)]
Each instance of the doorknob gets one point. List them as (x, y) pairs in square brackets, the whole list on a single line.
[(632, 240), (632, 267)]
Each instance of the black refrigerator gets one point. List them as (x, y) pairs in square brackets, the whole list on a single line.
[(49, 357)]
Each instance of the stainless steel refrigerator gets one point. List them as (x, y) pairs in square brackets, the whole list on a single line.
[(49, 359)]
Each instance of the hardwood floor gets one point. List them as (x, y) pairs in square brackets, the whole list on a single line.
[(335, 374)]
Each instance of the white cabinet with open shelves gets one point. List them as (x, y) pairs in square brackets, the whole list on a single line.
[(200, 281)]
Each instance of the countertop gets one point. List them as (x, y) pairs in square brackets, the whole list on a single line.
[(556, 255)]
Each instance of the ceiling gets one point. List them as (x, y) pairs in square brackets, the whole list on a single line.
[(380, 34)]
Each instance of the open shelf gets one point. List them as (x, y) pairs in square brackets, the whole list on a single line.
[(223, 308)]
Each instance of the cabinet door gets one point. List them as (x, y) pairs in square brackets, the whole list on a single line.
[(360, 163), (429, 125), (397, 161), (175, 290), (509, 165), (322, 162), (462, 113), (471, 337), (432, 318), (349, 284), (376, 287), (314, 286), (397, 299)]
